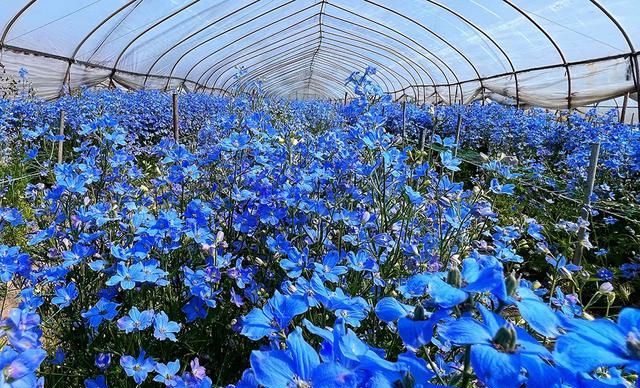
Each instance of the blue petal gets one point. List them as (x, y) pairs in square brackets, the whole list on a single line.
[(494, 368), (272, 369), (465, 331), (332, 375), (304, 356), (389, 309), (256, 325)]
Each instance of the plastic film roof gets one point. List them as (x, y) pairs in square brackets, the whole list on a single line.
[(550, 53)]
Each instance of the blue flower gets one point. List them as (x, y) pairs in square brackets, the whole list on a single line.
[(604, 274), (449, 161), (329, 270), (497, 188), (601, 343), (274, 316), (138, 368), (167, 373), (164, 328), (99, 382), (136, 320), (127, 276), (103, 360), (297, 366), (104, 310), (500, 351), (65, 295)]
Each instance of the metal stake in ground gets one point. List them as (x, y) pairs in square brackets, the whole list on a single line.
[(176, 128), (404, 120), (61, 142), (585, 212), (458, 127)]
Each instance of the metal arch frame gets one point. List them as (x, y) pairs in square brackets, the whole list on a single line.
[(264, 47), (219, 65), (634, 55), (487, 36), (259, 52), (154, 25), (325, 70), (446, 65), (395, 75), (393, 39), (93, 31), (175, 65), (259, 71), (13, 21), (441, 39), (555, 45), (369, 59), (353, 37), (191, 35), (286, 63), (286, 60), (322, 4), (323, 83)]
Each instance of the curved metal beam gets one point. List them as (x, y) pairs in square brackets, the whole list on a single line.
[(322, 4), (155, 62), (93, 31), (365, 58), (215, 67), (416, 43), (446, 42), (634, 55), (154, 25), (285, 61), (233, 28), (553, 42), (481, 31), (13, 21)]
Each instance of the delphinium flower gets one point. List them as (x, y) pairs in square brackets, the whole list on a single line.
[(104, 310), (600, 343), (164, 328), (500, 351), (498, 188), (127, 276), (65, 295), (136, 320), (166, 373), (138, 368), (274, 316), (604, 274)]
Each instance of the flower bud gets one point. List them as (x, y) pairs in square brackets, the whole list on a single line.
[(512, 284), (454, 277), (419, 314), (506, 338)]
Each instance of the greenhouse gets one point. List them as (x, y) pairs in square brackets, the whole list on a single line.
[(319, 193)]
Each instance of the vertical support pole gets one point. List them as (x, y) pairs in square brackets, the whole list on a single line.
[(422, 137), (458, 128), (625, 103), (586, 208), (61, 142), (404, 120), (176, 123), (346, 94)]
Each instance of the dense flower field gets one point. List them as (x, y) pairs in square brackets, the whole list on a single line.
[(307, 244)]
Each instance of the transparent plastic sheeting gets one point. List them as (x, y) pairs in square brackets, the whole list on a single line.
[(549, 53)]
